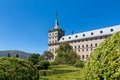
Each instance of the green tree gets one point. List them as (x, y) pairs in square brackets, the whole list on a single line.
[(34, 58), (17, 69), (43, 64), (65, 54), (48, 55)]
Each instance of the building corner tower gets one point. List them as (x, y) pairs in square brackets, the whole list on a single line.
[(54, 36)]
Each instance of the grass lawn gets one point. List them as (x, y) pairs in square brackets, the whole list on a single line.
[(64, 76)]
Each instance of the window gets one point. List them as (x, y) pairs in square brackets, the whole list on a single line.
[(79, 50), (111, 30), (86, 56), (78, 40), (95, 38), (106, 36), (82, 40), (91, 45), (62, 38), (52, 49), (79, 46), (82, 46), (82, 49), (76, 36), (87, 49), (86, 45), (69, 37), (75, 47), (100, 37), (101, 32), (83, 34), (96, 45), (82, 56), (91, 49), (91, 33), (50, 34), (55, 40)]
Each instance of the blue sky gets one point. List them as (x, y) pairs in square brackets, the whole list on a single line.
[(24, 24)]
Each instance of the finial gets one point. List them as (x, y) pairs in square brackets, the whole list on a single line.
[(56, 21)]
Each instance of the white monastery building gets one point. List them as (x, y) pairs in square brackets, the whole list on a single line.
[(83, 43)]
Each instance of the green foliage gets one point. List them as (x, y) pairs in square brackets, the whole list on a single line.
[(52, 72), (54, 63), (104, 62), (48, 55), (79, 64), (58, 72), (34, 58), (65, 54), (44, 64), (16, 69)]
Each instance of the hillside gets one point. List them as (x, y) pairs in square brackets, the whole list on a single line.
[(21, 54)]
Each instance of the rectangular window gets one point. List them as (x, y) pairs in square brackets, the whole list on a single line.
[(82, 56)]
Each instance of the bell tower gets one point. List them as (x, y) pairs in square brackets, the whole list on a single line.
[(54, 36)]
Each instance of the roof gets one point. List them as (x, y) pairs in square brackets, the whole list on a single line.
[(90, 34)]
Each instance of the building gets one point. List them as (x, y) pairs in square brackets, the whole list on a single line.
[(83, 43)]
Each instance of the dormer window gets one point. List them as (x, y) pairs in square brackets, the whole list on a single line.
[(111, 30), (101, 32), (91, 33), (69, 37), (83, 34), (76, 36)]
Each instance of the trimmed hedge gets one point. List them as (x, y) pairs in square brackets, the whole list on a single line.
[(55, 71), (17, 69)]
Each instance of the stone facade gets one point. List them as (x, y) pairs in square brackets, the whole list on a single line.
[(83, 43)]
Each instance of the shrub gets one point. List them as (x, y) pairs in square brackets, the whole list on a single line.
[(16, 69), (53, 63), (44, 64), (79, 64), (104, 62)]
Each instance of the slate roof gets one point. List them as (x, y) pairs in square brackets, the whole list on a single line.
[(92, 33)]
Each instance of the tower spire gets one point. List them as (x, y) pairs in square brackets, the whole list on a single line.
[(56, 21)]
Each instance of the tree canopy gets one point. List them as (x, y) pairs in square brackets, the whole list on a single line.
[(48, 55), (34, 58), (66, 54)]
